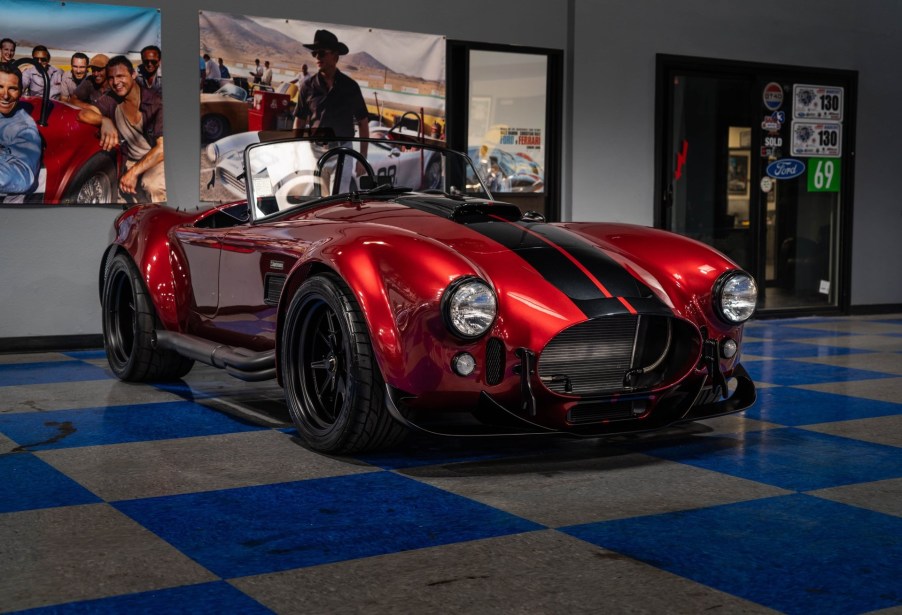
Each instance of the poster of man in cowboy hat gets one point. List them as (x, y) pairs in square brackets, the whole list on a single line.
[(398, 76)]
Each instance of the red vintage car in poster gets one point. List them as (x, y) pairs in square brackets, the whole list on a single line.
[(383, 307), (74, 169)]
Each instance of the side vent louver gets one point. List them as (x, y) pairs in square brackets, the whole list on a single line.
[(273, 288)]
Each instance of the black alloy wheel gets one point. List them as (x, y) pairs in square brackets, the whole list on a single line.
[(333, 385)]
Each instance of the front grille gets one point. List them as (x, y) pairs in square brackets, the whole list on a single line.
[(590, 358), (494, 361), (596, 413)]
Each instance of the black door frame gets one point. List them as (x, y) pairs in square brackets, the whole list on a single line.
[(458, 108), (665, 65)]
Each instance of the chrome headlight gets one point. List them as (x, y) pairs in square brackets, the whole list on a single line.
[(735, 296), (212, 152), (469, 307)]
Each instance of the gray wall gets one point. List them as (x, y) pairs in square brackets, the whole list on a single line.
[(615, 42), (50, 255)]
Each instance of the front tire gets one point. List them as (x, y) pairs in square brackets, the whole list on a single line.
[(334, 389), (128, 323)]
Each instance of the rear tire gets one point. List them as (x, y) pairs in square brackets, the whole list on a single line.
[(128, 323), (333, 385)]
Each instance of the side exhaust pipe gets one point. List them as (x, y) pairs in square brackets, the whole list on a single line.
[(239, 362)]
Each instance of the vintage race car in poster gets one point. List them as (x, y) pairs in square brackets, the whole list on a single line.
[(425, 305), (502, 171), (396, 152), (74, 169), (223, 112)]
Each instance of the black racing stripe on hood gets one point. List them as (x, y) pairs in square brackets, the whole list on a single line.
[(608, 307), (618, 281), (551, 251), (550, 263), (540, 250)]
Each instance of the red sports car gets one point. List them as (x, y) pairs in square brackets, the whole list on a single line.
[(73, 167), (382, 307)]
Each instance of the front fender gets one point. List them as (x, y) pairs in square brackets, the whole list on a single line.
[(680, 270), (398, 279)]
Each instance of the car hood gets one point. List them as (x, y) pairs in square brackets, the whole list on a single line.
[(493, 237)]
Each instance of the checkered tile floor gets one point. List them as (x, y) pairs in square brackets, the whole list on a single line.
[(196, 497)]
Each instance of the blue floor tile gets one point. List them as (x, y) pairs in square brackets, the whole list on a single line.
[(212, 598), (46, 372), (789, 458), (183, 389), (98, 353), (796, 554), (774, 348), (784, 332), (791, 373), (793, 407), (37, 431), (255, 530), (27, 483)]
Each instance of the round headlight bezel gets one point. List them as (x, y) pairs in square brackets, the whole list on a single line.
[(724, 288), (460, 291)]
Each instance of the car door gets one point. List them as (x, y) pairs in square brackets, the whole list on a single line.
[(201, 249)]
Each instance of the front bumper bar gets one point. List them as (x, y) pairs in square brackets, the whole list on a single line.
[(494, 419)]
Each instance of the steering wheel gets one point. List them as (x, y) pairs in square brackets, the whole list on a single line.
[(399, 123), (339, 168)]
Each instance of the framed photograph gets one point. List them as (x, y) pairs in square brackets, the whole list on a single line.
[(745, 138), (738, 174)]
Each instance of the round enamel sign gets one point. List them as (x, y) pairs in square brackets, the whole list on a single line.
[(773, 95)]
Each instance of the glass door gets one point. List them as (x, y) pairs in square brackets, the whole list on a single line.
[(504, 112), (754, 163)]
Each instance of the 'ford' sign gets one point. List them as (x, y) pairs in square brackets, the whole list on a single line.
[(786, 168)]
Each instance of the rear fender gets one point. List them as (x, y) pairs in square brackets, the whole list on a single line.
[(144, 233)]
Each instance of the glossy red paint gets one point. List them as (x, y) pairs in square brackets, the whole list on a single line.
[(207, 275)]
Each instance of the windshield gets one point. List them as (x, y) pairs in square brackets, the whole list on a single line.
[(232, 91), (288, 173)]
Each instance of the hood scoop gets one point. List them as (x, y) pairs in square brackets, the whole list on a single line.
[(464, 211)]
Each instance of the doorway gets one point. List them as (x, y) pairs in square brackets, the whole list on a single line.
[(754, 160), (504, 111)]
